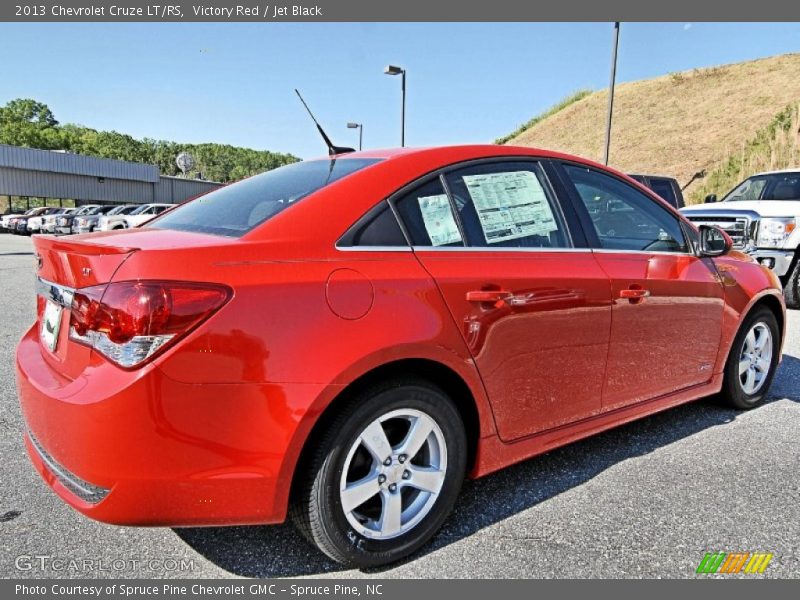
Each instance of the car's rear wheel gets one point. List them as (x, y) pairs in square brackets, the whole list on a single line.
[(384, 476), (752, 361)]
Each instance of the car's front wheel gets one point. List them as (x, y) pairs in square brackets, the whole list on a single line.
[(384, 475), (752, 361)]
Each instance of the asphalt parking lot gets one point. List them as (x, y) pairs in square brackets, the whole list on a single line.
[(646, 500)]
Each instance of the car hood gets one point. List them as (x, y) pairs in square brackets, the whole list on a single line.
[(765, 208)]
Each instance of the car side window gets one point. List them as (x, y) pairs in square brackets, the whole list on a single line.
[(428, 217), (623, 217), (663, 188), (507, 205), (378, 228)]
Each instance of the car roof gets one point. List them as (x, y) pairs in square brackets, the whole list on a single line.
[(479, 149), (467, 152)]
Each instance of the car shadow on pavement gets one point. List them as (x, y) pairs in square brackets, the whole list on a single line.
[(280, 551)]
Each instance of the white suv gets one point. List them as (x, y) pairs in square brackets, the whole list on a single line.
[(142, 214), (761, 215)]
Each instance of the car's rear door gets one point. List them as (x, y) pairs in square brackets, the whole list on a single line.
[(668, 302), (533, 308)]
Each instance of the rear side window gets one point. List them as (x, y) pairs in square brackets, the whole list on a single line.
[(378, 228), (506, 205), (238, 208), (427, 214)]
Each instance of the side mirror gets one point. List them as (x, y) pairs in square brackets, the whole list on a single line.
[(714, 241), (710, 198)]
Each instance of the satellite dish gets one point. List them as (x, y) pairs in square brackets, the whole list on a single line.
[(185, 162)]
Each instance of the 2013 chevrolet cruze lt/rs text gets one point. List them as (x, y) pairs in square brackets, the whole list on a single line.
[(344, 340)]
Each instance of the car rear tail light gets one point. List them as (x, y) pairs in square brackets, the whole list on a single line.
[(129, 322)]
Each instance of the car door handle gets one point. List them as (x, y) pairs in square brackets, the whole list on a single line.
[(488, 296)]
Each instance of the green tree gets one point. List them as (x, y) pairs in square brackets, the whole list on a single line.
[(26, 122)]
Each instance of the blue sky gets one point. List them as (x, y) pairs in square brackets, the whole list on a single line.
[(232, 83)]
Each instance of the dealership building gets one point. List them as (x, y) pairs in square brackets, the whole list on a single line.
[(57, 175)]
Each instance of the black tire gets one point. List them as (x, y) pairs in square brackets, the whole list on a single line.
[(733, 392), (791, 289), (317, 506)]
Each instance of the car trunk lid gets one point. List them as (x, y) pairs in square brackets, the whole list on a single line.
[(84, 261), (63, 266)]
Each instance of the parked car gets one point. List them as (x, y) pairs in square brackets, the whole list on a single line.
[(141, 214), (64, 222), (88, 222), (116, 220), (49, 221), (6, 224), (761, 215), (666, 187), (20, 224), (343, 340), (34, 223)]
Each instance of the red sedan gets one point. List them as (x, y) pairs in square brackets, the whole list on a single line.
[(345, 339)]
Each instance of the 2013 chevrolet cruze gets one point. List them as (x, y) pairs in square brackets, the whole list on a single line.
[(345, 339)]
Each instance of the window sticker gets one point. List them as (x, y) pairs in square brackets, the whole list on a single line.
[(438, 219), (510, 205)]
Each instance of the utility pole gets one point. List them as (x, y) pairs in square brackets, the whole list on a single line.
[(611, 91)]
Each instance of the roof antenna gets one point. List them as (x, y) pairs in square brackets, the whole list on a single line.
[(332, 150)]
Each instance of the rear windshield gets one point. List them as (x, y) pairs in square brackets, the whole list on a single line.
[(236, 209)]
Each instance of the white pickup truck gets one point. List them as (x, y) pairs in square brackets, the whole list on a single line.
[(132, 219), (761, 214)]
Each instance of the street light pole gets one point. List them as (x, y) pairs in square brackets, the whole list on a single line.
[(403, 112), (611, 92), (360, 127), (394, 70)]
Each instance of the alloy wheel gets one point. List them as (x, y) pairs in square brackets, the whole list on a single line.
[(393, 474), (755, 359)]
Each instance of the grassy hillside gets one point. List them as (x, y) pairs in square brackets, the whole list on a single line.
[(726, 121)]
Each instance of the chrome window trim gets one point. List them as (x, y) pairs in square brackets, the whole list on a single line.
[(549, 250), (657, 252), (60, 294), (494, 249), (372, 248)]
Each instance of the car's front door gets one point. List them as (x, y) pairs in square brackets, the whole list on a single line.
[(668, 302), (533, 309)]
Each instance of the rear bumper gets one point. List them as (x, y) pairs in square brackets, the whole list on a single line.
[(154, 451)]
